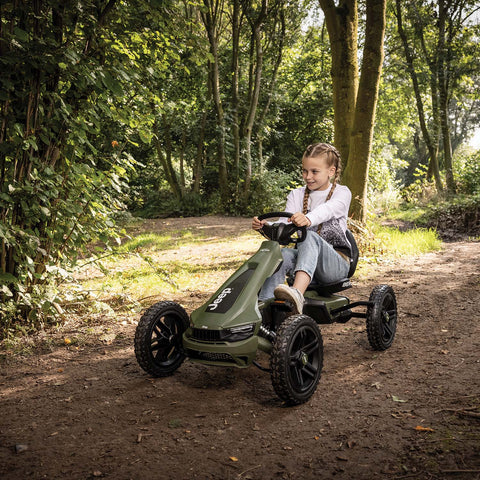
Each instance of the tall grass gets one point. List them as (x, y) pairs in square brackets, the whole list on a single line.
[(378, 242), (410, 242)]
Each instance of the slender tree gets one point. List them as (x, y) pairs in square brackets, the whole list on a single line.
[(355, 94)]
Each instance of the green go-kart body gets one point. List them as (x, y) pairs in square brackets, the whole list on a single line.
[(233, 326), (225, 330)]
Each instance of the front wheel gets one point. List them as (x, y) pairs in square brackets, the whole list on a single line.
[(158, 338), (297, 359), (382, 317)]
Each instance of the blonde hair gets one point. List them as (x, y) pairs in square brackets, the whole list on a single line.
[(332, 157)]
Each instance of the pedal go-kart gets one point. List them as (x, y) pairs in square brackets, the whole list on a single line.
[(234, 325)]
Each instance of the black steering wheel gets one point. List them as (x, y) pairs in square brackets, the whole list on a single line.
[(282, 232)]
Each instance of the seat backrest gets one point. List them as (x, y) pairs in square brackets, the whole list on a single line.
[(355, 253)]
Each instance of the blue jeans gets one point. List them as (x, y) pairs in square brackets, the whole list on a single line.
[(314, 256)]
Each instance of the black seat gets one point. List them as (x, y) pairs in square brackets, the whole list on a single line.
[(328, 289)]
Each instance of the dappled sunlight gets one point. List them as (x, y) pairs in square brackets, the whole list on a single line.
[(162, 265)]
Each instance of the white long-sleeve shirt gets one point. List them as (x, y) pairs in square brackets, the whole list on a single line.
[(318, 210)]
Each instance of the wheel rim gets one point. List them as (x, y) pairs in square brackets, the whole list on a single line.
[(388, 318), (165, 336), (304, 360)]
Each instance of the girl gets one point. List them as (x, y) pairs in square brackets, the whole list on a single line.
[(322, 206)]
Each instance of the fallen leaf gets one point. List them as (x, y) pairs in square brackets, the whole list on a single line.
[(234, 459), (399, 400), (419, 428)]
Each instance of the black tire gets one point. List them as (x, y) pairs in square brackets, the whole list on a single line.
[(382, 317), (297, 359), (158, 338)]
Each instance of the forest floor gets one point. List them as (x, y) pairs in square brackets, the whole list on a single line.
[(86, 410)]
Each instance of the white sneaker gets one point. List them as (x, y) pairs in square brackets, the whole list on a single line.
[(284, 292)]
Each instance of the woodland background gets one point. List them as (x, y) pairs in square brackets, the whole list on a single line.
[(152, 108)]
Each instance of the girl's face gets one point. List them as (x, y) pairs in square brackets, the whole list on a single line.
[(317, 173)]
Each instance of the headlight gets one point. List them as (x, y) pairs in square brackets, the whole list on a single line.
[(235, 334)]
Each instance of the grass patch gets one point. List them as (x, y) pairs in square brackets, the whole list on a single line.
[(382, 243), (413, 214), (410, 242), (143, 280), (156, 241)]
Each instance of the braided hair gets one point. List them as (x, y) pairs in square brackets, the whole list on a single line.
[(332, 158)]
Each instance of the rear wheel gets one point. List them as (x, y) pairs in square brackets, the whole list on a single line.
[(297, 359), (382, 317), (158, 338)]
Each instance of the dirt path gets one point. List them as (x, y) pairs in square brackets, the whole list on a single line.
[(89, 411)]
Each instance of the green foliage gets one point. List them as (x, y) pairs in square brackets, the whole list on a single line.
[(162, 203), (303, 102), (468, 173), (421, 190), (61, 175), (457, 215), (269, 191)]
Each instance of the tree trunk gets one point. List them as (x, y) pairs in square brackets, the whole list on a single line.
[(443, 97), (210, 19), (257, 70), (342, 27), (430, 142), (197, 169), (182, 159), (166, 157), (356, 172), (235, 94)]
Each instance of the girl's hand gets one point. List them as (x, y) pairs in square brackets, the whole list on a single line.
[(257, 224), (300, 220)]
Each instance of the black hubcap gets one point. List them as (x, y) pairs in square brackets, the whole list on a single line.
[(389, 318), (304, 359), (164, 340)]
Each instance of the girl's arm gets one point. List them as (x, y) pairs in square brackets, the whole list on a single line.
[(336, 207)]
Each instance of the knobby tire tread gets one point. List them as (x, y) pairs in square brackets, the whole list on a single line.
[(279, 374), (374, 319), (142, 338)]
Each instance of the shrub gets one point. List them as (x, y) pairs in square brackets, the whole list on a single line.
[(467, 174), (269, 191)]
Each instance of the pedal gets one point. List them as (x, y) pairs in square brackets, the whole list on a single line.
[(343, 317)]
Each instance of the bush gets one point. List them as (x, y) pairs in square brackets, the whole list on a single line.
[(461, 215), (164, 204), (468, 174), (269, 191)]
